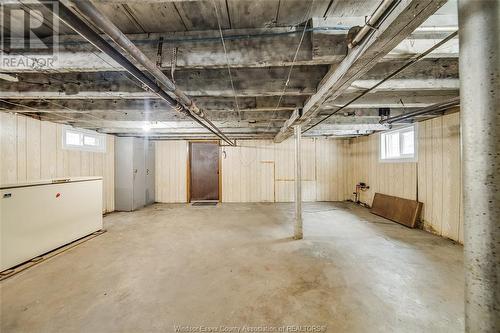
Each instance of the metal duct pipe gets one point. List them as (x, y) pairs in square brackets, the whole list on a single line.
[(370, 24), (69, 18), (108, 27), (443, 106), (73, 21)]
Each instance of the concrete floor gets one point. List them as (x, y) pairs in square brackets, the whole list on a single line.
[(236, 265)]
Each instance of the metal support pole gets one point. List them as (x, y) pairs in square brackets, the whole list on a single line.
[(479, 31), (298, 185)]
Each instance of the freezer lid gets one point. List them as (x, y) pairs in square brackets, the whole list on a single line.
[(49, 182)]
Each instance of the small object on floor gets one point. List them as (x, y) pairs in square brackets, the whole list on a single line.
[(204, 203)]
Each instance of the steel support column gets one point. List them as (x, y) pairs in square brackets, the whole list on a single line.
[(479, 23), (298, 184)]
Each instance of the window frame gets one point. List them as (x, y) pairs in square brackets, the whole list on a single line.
[(100, 138), (401, 158)]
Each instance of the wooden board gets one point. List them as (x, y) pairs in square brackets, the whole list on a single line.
[(403, 211)]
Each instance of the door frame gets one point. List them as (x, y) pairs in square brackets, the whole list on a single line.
[(188, 167)]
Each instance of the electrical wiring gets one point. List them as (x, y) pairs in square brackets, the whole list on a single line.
[(36, 110), (227, 58), (287, 80), (390, 76)]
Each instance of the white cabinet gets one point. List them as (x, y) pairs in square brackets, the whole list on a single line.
[(134, 173)]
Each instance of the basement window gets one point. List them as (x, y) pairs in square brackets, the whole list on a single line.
[(399, 145), (80, 139)]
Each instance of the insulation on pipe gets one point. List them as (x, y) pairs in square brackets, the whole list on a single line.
[(371, 22)]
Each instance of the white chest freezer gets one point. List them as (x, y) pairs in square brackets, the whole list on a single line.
[(41, 216)]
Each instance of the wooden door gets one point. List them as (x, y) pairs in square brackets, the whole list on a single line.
[(204, 171)]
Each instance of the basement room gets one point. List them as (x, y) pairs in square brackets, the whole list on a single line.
[(249, 166)]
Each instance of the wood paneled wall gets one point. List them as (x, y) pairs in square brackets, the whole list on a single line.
[(397, 179), (439, 176), (260, 171), (171, 171), (435, 179), (248, 172), (32, 149)]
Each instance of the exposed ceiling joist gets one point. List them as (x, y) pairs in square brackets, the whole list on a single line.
[(202, 49), (86, 88), (399, 24)]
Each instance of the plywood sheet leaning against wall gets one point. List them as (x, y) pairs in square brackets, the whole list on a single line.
[(32, 150), (403, 211), (171, 171), (439, 176)]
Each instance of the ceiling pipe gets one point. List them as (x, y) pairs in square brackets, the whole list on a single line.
[(73, 21), (438, 107), (372, 21), (110, 29), (69, 18), (390, 76)]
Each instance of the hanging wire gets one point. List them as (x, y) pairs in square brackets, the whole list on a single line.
[(117, 69), (227, 58), (47, 73), (94, 52), (390, 76), (43, 112), (287, 80)]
